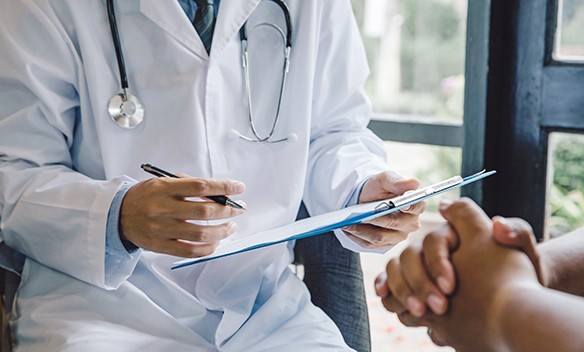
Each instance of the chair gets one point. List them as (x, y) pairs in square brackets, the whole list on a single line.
[(334, 278), (7, 280)]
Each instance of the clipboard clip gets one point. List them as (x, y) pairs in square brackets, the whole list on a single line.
[(415, 196), (383, 206)]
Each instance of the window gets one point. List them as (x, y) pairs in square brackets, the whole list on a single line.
[(566, 184), (569, 43)]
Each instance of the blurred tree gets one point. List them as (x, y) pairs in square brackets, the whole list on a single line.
[(567, 194)]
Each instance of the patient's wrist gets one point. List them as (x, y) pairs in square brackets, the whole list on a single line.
[(507, 304)]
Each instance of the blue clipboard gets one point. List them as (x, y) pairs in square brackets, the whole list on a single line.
[(334, 220)]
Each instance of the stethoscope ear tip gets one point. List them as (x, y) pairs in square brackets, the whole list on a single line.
[(292, 137)]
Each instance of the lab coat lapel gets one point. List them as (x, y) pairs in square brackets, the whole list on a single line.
[(170, 17), (232, 16)]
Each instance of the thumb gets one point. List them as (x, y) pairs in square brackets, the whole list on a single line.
[(517, 233), (386, 185), (514, 233)]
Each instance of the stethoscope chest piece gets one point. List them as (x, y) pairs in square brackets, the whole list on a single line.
[(126, 110)]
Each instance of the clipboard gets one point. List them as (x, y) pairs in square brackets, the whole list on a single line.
[(320, 224)]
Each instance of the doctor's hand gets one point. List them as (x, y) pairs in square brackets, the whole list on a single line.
[(155, 215), (386, 231)]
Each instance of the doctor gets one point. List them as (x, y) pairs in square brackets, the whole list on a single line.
[(94, 236)]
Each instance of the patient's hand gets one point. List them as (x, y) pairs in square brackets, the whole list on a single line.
[(422, 277), (486, 274)]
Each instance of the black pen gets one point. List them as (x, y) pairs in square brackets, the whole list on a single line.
[(156, 171)]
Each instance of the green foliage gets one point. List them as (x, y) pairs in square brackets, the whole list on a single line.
[(567, 197), (569, 164), (567, 211)]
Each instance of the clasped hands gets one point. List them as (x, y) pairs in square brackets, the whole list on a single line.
[(456, 280), (158, 214)]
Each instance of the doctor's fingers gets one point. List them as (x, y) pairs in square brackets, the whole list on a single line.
[(385, 185), (415, 209), (164, 207), (187, 249), (201, 187), (201, 233), (183, 238), (404, 222), (374, 237), (205, 210)]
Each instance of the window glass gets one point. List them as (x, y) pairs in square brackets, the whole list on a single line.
[(416, 51), (566, 184), (569, 45)]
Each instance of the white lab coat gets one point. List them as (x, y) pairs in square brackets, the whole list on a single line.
[(62, 160)]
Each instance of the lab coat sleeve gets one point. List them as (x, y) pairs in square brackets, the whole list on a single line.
[(49, 211), (343, 152)]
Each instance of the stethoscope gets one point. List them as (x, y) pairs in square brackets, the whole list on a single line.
[(124, 108), (287, 38), (127, 110)]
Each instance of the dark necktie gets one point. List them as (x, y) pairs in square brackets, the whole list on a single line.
[(205, 21)]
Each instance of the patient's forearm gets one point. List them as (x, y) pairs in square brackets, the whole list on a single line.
[(534, 318), (564, 257)]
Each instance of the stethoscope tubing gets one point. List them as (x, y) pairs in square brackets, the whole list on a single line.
[(287, 18), (117, 44), (287, 37)]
